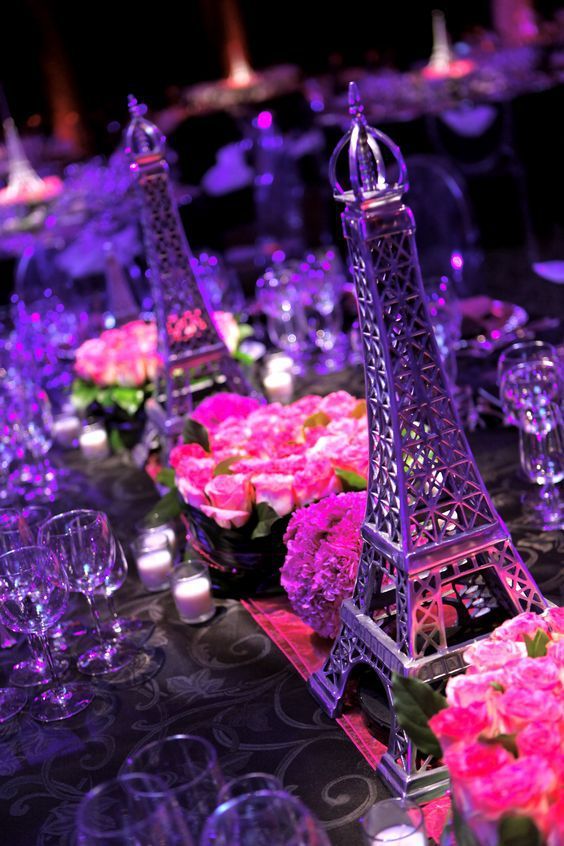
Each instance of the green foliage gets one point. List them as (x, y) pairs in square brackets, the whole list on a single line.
[(317, 419), (518, 831), (223, 468), (85, 393), (536, 646), (505, 740), (167, 477), (167, 508), (414, 703), (351, 481), (195, 433), (267, 516)]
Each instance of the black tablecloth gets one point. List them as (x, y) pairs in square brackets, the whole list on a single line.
[(224, 680)]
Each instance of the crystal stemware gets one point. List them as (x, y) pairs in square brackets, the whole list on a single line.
[(280, 298), (266, 818), (122, 628), (533, 392), (19, 528), (249, 783), (34, 593), (515, 353), (84, 543), (132, 809), (188, 766)]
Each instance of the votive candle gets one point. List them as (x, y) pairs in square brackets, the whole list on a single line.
[(94, 443), (66, 429), (279, 386), (191, 589), (154, 562)]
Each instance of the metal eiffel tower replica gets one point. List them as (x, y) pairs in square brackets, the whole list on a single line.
[(193, 353), (438, 567)]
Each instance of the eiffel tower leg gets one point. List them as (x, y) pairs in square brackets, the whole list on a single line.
[(328, 684), (520, 588)]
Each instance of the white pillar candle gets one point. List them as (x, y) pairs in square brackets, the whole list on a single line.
[(193, 599), (279, 386), (154, 567), (94, 443), (157, 536), (66, 430), (400, 835), (279, 363)]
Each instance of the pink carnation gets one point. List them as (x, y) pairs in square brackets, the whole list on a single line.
[(183, 451), (478, 687), (338, 404), (535, 674), (219, 407), (324, 546), (467, 761), (518, 706), (491, 654), (276, 490), (315, 481), (517, 627), (192, 476)]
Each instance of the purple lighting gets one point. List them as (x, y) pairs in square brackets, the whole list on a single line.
[(456, 261), (264, 120)]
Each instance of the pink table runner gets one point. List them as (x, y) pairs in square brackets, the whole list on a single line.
[(306, 651)]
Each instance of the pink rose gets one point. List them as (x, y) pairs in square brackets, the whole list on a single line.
[(338, 404), (182, 451), (455, 724), (524, 624), (517, 707), (555, 651), (476, 687), (467, 761), (276, 490), (316, 480), (555, 620), (491, 654), (520, 785), (231, 500), (306, 406), (192, 476), (534, 673), (539, 738)]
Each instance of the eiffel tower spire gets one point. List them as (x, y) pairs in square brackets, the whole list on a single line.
[(431, 533), (23, 181)]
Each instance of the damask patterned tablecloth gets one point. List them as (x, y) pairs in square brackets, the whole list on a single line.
[(224, 680)]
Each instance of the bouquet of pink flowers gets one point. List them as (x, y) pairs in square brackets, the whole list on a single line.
[(500, 732), (246, 465), (119, 367)]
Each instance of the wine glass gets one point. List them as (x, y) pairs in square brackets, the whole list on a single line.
[(533, 392), (188, 766), (122, 628), (84, 542), (266, 818), (396, 821), (34, 593), (279, 297), (249, 783), (515, 353), (132, 810), (19, 528)]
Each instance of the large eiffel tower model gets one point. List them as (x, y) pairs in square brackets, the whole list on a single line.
[(193, 354), (437, 567)]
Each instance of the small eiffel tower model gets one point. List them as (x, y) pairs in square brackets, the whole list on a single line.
[(189, 342), (437, 567)]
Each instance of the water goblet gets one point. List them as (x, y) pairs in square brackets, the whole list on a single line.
[(188, 766), (396, 821), (533, 393), (249, 783), (122, 628), (515, 353), (34, 593), (84, 542), (132, 809), (266, 818), (279, 296), (321, 291)]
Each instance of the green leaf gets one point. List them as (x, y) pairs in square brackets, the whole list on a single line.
[(244, 358), (83, 394), (167, 508), (267, 516), (497, 686), (195, 433), (245, 331), (536, 646), (105, 397), (505, 740), (359, 410), (352, 481), (463, 835), (128, 399), (116, 441), (415, 702), (317, 419), (223, 467), (167, 477), (518, 831)]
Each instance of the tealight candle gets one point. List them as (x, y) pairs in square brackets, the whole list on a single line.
[(153, 535), (94, 443), (66, 429), (279, 363), (279, 386), (396, 821), (400, 835), (154, 563), (191, 589)]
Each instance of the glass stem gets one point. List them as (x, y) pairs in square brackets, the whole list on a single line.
[(34, 644), (96, 617), (114, 614), (46, 650)]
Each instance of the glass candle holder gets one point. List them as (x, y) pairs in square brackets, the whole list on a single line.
[(191, 589), (154, 533), (154, 559), (279, 386), (94, 443), (278, 363), (395, 821), (66, 428)]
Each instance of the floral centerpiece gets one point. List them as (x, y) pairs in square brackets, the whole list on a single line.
[(500, 732), (116, 372), (245, 467)]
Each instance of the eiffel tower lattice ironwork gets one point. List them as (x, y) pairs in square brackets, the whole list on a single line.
[(188, 338), (438, 567)]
